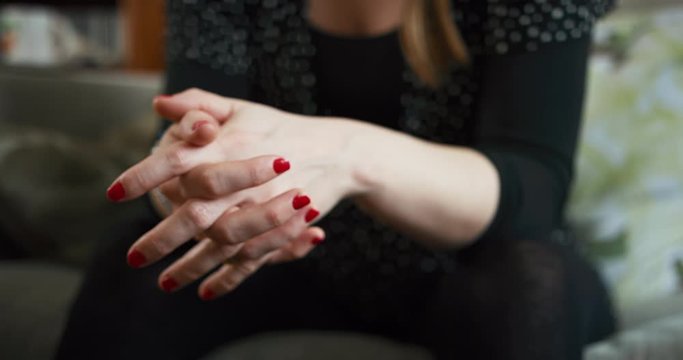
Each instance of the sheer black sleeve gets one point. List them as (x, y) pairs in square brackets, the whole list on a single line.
[(529, 116), (532, 64)]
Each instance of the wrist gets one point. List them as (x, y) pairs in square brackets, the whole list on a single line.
[(361, 156)]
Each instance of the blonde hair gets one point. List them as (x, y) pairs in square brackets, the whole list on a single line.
[(431, 40)]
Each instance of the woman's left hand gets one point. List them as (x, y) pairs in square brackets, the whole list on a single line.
[(231, 193)]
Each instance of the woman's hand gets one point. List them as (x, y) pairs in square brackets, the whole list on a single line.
[(247, 203), (444, 196)]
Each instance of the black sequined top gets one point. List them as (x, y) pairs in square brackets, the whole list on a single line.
[(519, 103)]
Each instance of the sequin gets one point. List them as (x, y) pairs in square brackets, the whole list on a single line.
[(269, 42)]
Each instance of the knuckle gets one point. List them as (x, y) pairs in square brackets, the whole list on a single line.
[(254, 175), (177, 160), (140, 178), (160, 247), (197, 114), (273, 217), (250, 252), (223, 233), (227, 251), (209, 182), (199, 214), (191, 273), (217, 235), (246, 268), (289, 231), (228, 283), (194, 91)]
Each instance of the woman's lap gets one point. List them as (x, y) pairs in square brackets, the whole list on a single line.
[(120, 313), (517, 300), (508, 300)]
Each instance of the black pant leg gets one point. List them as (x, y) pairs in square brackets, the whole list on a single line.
[(121, 314), (516, 300)]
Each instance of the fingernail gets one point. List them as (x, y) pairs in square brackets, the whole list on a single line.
[(116, 192), (207, 294), (280, 165), (300, 201), (317, 240), (169, 284), (136, 259), (311, 214), (199, 124)]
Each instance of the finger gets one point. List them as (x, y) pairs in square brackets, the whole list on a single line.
[(240, 226), (182, 225), (228, 277), (202, 258), (214, 180), (276, 238), (299, 247), (171, 189), (159, 167), (196, 127), (174, 107)]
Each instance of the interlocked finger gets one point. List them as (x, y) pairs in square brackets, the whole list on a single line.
[(240, 226)]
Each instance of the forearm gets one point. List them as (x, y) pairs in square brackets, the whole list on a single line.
[(443, 195)]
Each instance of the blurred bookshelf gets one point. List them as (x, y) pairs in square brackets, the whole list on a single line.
[(83, 34)]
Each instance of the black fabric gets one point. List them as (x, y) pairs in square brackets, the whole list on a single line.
[(513, 295), (359, 78), (530, 109), (506, 300)]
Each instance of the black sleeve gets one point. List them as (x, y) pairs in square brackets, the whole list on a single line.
[(529, 116), (532, 59)]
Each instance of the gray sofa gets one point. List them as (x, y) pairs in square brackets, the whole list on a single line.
[(63, 137)]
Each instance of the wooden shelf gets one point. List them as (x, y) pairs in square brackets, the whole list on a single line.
[(144, 24)]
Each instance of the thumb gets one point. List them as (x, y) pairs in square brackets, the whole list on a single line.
[(174, 107)]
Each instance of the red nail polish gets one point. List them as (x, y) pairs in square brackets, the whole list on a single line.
[(311, 214), (317, 240), (116, 192), (280, 165), (207, 295), (199, 124), (169, 284), (300, 201), (136, 259)]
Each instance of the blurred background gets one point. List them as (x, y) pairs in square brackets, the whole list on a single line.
[(76, 82)]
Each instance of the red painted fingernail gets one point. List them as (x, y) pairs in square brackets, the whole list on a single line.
[(207, 294), (199, 124), (311, 214), (136, 259), (116, 192), (280, 165), (300, 201), (169, 284), (317, 240)]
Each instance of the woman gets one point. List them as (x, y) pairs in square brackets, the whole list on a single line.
[(453, 128)]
